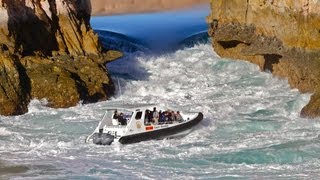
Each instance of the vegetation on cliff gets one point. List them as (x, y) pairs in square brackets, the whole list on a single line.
[(48, 50), (281, 36)]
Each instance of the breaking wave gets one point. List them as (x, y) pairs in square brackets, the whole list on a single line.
[(121, 42)]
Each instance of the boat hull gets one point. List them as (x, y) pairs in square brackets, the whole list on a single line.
[(161, 133)]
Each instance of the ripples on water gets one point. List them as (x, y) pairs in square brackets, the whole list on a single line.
[(251, 128)]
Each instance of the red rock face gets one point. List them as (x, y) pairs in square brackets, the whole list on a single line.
[(108, 7), (44, 46), (60, 26), (281, 36), (14, 86)]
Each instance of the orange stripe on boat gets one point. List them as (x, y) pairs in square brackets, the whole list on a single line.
[(149, 128)]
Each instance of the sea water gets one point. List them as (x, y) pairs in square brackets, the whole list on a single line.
[(251, 127)]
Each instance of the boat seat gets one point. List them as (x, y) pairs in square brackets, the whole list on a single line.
[(115, 122)]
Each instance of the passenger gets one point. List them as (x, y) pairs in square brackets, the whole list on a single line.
[(122, 120), (166, 117), (173, 116), (155, 116), (146, 117), (178, 117), (170, 117), (161, 117), (115, 115), (150, 117)]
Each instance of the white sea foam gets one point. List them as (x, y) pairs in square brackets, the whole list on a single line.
[(4, 132), (248, 115)]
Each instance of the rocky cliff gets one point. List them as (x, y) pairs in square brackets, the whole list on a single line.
[(48, 50), (107, 7), (281, 36)]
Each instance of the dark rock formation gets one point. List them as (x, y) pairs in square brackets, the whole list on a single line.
[(48, 50), (14, 86), (281, 36)]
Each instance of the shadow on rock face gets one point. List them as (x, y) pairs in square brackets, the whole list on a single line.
[(31, 33)]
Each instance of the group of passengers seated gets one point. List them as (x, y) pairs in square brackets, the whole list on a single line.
[(119, 117), (162, 117)]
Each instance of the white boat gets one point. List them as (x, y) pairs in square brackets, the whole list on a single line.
[(135, 126)]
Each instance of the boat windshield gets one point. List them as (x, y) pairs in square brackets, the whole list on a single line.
[(116, 117)]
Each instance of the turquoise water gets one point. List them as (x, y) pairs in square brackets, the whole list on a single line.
[(251, 128)]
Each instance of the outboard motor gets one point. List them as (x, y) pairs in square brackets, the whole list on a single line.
[(96, 138), (106, 139), (102, 138)]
